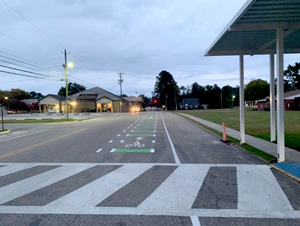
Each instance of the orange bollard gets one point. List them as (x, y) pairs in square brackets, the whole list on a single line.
[(224, 134)]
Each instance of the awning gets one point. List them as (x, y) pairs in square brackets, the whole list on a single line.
[(263, 27), (253, 30)]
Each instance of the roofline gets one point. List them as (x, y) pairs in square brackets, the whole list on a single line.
[(239, 14)]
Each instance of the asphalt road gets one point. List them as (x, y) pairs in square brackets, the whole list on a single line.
[(152, 168)]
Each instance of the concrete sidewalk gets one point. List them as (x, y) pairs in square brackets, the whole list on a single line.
[(292, 163)]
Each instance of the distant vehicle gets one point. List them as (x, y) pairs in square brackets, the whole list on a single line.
[(135, 109)]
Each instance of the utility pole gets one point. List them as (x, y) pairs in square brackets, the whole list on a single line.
[(120, 82), (66, 79)]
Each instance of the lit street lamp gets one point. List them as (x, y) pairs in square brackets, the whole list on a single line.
[(66, 65), (233, 97)]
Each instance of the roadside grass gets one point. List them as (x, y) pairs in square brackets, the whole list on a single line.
[(257, 123), (267, 157), (45, 120)]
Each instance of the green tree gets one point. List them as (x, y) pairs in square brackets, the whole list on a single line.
[(292, 77), (35, 95), (257, 89), (19, 94), (195, 90), (72, 89), (166, 90)]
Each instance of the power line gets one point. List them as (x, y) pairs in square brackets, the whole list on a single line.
[(18, 80), (28, 46), (22, 66), (39, 29), (30, 72), (32, 63), (30, 76)]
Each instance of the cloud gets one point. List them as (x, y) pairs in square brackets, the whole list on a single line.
[(139, 38)]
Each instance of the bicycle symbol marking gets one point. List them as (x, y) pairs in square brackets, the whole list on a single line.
[(135, 144)]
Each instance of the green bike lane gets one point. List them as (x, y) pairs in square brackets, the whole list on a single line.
[(142, 141)]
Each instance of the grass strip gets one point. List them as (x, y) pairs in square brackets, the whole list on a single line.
[(267, 157)]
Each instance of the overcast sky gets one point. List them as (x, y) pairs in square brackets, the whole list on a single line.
[(139, 38)]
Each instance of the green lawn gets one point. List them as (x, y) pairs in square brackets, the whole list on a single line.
[(257, 123)]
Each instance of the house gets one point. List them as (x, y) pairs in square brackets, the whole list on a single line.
[(52, 104), (290, 101), (97, 100), (189, 103), (262, 104), (135, 103)]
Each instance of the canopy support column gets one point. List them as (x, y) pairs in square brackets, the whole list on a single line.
[(242, 109), (280, 96), (272, 100)]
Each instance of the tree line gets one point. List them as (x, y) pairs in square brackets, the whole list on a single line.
[(167, 93)]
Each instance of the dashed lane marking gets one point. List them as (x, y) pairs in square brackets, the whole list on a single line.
[(99, 150), (140, 135), (134, 150)]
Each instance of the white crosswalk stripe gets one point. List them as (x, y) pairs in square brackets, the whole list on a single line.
[(18, 134), (259, 194)]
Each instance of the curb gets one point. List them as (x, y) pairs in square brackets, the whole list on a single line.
[(4, 132), (286, 173)]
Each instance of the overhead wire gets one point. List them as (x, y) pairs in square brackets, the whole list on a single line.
[(30, 72), (30, 76), (32, 63), (25, 67), (36, 27)]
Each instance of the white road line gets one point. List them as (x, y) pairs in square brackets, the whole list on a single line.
[(128, 127), (113, 150), (95, 192), (5, 170), (118, 135), (195, 221), (258, 190), (152, 150), (99, 150), (173, 194), (23, 187), (110, 141), (122, 141), (170, 141), (124, 131), (153, 142), (127, 135)]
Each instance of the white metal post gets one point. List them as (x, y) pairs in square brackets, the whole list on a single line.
[(242, 109), (280, 96), (272, 100)]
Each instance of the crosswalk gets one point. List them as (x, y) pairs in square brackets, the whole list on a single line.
[(141, 189), (18, 134)]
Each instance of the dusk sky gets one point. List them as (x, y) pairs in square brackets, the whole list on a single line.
[(139, 38)]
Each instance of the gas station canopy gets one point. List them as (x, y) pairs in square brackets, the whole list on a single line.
[(253, 30)]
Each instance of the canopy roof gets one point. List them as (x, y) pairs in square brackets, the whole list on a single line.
[(253, 29)]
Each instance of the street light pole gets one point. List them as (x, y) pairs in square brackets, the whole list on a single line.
[(66, 79), (2, 117)]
